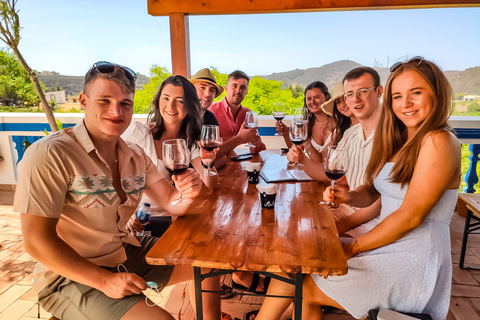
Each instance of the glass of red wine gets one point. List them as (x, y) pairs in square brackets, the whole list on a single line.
[(298, 135), (251, 121), (209, 139), (334, 165), (176, 158), (278, 112)]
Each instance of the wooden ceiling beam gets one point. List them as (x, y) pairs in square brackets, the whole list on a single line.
[(213, 7)]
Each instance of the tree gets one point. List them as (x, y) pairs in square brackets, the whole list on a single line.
[(15, 84), (10, 34), (143, 98)]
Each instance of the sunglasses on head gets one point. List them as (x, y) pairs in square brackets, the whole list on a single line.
[(108, 67), (397, 65)]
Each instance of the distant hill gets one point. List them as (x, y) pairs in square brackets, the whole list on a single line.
[(73, 85), (463, 82)]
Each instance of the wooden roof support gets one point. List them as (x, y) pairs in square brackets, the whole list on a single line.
[(210, 7), (180, 43)]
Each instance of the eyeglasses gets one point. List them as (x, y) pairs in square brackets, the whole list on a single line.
[(397, 65), (361, 93), (108, 67)]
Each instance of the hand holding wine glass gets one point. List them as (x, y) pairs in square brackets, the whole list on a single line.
[(298, 135), (210, 139), (278, 112), (251, 122), (334, 165), (176, 158)]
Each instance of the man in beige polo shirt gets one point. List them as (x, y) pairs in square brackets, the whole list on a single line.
[(76, 191)]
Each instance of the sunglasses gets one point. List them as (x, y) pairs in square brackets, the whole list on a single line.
[(397, 65), (108, 67)]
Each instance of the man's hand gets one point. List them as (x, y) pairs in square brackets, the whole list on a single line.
[(119, 285), (134, 225), (189, 183), (258, 145), (282, 129), (295, 154), (247, 135)]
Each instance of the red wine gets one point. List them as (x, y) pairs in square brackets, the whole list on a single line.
[(298, 142), (209, 146), (177, 169), (334, 174), (279, 117)]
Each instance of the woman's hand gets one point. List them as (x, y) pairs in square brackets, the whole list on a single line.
[(295, 154), (348, 249), (189, 183), (134, 225), (281, 128), (207, 156), (337, 194)]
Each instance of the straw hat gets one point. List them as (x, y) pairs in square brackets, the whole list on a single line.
[(327, 106), (205, 75)]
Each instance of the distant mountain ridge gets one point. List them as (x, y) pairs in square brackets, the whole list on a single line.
[(465, 82), (73, 85)]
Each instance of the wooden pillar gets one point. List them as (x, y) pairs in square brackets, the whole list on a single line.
[(180, 43)]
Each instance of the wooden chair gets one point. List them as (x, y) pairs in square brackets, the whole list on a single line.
[(472, 221)]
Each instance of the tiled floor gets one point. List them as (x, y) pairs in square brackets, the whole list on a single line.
[(18, 302)]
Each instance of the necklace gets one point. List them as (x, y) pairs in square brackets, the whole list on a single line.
[(111, 165), (320, 121)]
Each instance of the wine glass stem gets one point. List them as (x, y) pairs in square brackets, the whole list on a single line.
[(208, 167), (332, 185)]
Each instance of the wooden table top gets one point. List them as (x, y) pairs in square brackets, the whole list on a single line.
[(227, 228), (472, 200)]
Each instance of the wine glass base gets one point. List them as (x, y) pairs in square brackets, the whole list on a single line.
[(277, 134), (328, 205), (181, 202), (295, 165), (210, 174)]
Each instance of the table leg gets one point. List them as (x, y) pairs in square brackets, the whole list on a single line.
[(298, 295), (197, 277)]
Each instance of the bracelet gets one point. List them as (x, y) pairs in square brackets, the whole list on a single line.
[(210, 166), (358, 247)]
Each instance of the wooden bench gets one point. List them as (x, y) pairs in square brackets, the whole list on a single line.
[(472, 221)]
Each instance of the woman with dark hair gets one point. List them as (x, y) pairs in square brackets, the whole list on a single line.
[(342, 115), (175, 115), (404, 263), (320, 124)]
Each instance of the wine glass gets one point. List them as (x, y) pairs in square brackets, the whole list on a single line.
[(298, 135), (176, 158), (278, 112), (334, 165), (300, 114), (251, 121), (210, 139)]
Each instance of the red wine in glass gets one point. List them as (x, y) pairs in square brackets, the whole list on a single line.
[(334, 165), (209, 146), (334, 174), (176, 158), (298, 142), (177, 169)]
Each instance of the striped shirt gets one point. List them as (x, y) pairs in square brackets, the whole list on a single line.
[(359, 151)]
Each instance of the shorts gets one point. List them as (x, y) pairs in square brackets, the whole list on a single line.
[(66, 299)]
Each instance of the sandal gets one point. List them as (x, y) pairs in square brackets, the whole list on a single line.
[(226, 292), (248, 315), (253, 285)]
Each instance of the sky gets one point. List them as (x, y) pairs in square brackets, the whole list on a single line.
[(68, 36)]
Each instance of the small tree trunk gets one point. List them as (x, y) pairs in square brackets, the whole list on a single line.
[(45, 106)]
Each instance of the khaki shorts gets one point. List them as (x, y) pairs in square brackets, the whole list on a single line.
[(66, 299)]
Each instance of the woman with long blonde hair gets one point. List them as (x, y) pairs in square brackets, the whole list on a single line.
[(404, 263)]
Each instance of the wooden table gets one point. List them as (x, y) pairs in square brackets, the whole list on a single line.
[(472, 222), (228, 229)]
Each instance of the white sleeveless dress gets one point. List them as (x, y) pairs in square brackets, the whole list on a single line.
[(412, 274)]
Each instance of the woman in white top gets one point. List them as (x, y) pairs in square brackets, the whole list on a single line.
[(320, 124), (175, 114)]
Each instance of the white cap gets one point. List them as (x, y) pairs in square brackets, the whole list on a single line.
[(267, 188), (253, 166)]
